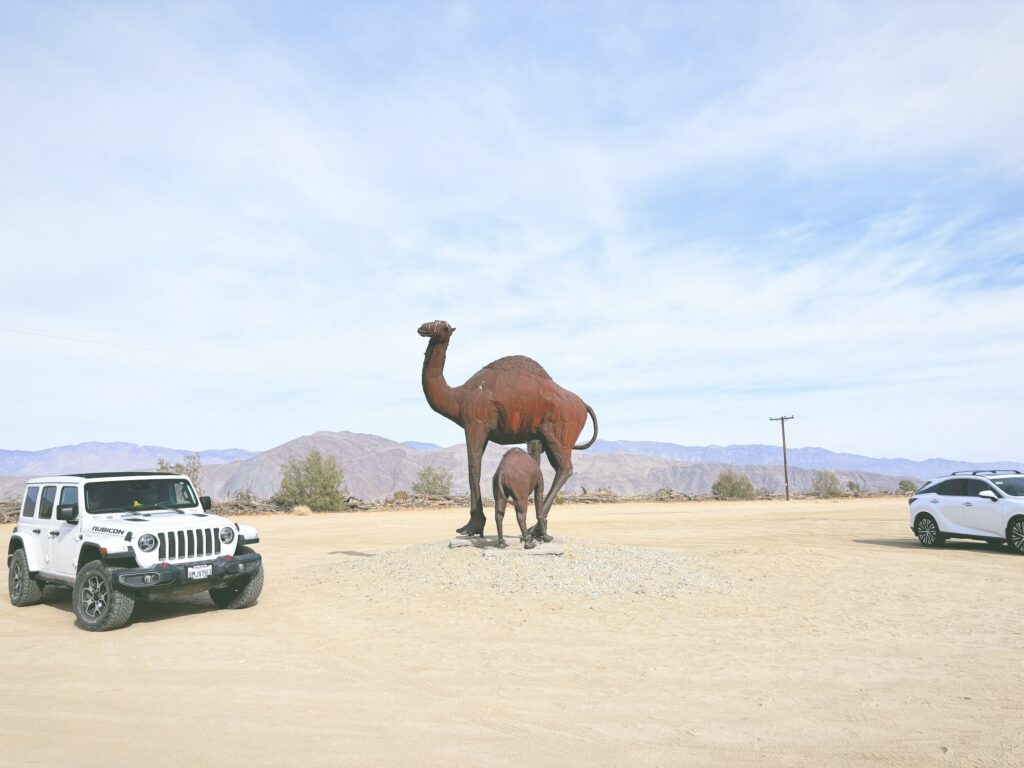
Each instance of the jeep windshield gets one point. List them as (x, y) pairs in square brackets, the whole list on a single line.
[(1011, 486), (138, 495)]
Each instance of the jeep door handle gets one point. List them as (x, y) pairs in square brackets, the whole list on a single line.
[(55, 533), (968, 504), (36, 530), (935, 501)]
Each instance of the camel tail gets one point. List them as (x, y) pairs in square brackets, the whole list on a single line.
[(593, 418)]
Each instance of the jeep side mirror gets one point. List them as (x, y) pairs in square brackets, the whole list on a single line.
[(989, 495), (67, 512), (205, 501)]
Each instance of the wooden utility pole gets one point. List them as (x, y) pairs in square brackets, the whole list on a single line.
[(785, 461)]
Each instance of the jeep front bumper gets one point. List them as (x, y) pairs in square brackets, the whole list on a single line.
[(208, 573)]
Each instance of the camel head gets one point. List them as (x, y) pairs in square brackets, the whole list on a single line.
[(438, 329)]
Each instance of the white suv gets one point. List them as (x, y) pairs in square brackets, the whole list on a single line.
[(116, 537), (986, 505)]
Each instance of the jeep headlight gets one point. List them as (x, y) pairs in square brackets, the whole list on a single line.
[(147, 542), (227, 534)]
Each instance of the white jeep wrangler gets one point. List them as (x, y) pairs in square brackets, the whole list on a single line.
[(117, 537)]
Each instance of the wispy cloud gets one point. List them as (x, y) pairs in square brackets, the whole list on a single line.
[(692, 217)]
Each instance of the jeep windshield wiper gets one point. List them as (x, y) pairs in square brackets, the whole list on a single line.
[(166, 505)]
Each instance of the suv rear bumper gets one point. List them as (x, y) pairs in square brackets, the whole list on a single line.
[(172, 576)]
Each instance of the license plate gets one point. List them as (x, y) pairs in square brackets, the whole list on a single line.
[(200, 571)]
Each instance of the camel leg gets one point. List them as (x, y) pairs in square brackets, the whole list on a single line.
[(542, 516), (528, 542), (561, 460), (499, 516), (476, 442)]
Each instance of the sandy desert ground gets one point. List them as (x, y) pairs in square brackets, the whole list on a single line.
[(816, 634)]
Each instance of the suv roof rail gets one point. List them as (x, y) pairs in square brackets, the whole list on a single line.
[(989, 472)]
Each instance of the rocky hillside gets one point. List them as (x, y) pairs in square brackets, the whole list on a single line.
[(376, 467)]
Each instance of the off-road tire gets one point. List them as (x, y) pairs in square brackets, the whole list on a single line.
[(23, 589), (241, 593), (927, 531), (98, 604), (1015, 535)]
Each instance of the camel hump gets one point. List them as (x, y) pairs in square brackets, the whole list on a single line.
[(519, 364)]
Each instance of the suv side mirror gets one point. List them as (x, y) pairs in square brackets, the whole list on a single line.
[(989, 495), (68, 512), (205, 501)]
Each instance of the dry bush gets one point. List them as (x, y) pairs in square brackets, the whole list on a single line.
[(825, 484), (315, 481), (301, 510), (733, 485), (433, 481)]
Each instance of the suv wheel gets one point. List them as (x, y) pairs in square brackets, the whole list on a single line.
[(97, 603), (1015, 535), (928, 532), (23, 589), (241, 593)]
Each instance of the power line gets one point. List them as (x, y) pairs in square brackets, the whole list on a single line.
[(785, 462)]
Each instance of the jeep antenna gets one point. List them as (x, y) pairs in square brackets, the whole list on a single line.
[(785, 462)]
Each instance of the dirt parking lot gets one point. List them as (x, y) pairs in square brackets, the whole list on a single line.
[(819, 634)]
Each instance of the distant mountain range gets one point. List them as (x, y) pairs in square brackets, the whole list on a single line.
[(808, 458), (97, 457), (376, 467)]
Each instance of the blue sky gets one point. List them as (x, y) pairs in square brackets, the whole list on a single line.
[(221, 224)]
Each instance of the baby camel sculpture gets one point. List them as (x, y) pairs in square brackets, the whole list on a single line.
[(512, 400), (518, 476)]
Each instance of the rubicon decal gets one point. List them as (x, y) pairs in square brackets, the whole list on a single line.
[(115, 531)]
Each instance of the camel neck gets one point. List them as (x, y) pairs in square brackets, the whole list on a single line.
[(440, 396)]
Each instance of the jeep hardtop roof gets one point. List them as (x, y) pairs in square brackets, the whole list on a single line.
[(95, 475)]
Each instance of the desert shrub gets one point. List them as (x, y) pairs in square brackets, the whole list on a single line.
[(315, 481), (301, 510), (855, 488), (907, 486), (433, 481), (733, 485), (245, 497), (400, 497), (825, 484), (189, 465)]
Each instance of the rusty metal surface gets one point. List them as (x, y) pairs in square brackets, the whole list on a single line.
[(510, 401), (518, 475)]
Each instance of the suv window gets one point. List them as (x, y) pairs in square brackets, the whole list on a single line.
[(28, 509), (956, 487), (975, 487), (46, 502), (68, 495), (1014, 486)]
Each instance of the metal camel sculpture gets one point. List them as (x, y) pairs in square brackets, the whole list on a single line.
[(517, 477), (512, 400)]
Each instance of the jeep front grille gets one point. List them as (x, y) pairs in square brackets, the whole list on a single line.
[(190, 544)]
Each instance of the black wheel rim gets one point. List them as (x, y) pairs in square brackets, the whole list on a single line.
[(928, 531), (17, 580), (1017, 536), (95, 598)]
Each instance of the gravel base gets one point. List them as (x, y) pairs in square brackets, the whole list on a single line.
[(588, 571)]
